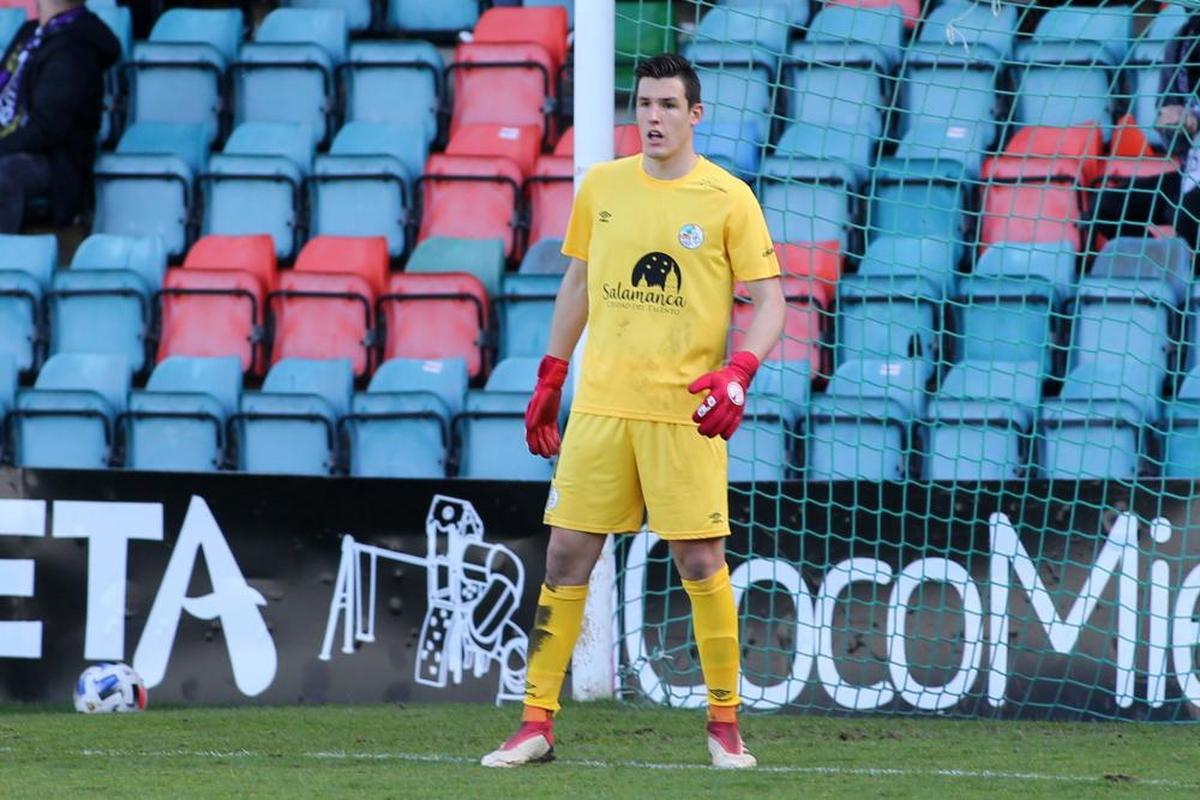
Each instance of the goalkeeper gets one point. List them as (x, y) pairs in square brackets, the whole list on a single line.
[(656, 243)]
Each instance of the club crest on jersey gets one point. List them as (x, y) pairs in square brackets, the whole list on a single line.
[(691, 236)]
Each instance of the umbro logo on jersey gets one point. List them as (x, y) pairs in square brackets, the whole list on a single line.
[(716, 518), (605, 216)]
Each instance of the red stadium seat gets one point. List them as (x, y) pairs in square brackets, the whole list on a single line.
[(471, 197), (802, 330), (520, 145), (817, 263), (214, 304), (435, 315), (501, 84), (544, 26), (1039, 151), (626, 142), (551, 192), (325, 307), (1040, 212)]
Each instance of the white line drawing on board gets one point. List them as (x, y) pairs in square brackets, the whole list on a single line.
[(473, 588)]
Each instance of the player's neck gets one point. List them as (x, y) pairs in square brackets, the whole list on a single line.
[(673, 166)]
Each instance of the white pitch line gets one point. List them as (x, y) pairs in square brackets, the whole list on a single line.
[(443, 758)]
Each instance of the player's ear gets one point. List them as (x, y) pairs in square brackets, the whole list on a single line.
[(696, 113)]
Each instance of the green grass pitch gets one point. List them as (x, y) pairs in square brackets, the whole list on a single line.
[(604, 750)]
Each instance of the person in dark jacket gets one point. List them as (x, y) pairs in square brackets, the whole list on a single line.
[(51, 99), (1172, 198)]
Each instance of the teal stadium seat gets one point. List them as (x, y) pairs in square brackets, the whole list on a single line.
[(27, 265), (1007, 320), (119, 20), (1053, 262), (764, 446), (177, 423), (808, 200), (357, 12), (981, 27), (399, 427), (291, 426), (1126, 323), (526, 309), (879, 27), (491, 434), (1181, 445), (287, 73), (104, 304), (396, 83), (67, 420), (544, 258), (437, 17), (887, 318), (923, 257)]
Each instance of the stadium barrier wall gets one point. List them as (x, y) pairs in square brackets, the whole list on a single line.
[(1033, 599)]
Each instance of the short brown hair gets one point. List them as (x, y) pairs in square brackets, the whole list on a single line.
[(669, 65)]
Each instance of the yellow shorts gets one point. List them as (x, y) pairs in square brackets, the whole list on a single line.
[(612, 473)]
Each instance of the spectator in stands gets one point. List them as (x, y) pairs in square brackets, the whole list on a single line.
[(1172, 198), (51, 98)]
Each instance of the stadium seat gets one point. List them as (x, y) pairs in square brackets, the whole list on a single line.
[(960, 22), (1039, 212), (1006, 320), (422, 18), (178, 75), (802, 329), (11, 20), (627, 141), (483, 258), (835, 89), (214, 305), (1097, 427), (399, 427), (147, 187), (1039, 152), (763, 447), (286, 75), (325, 307), (436, 316), (644, 27), (980, 424), (396, 83), (879, 27), (887, 318), (1143, 261), (491, 432), (104, 303), (519, 145), (364, 186), (551, 192), (861, 427), (471, 197), (515, 374), (546, 26), (1181, 443), (119, 20), (1053, 262), (177, 424), (501, 84), (817, 263), (544, 257), (27, 265), (854, 149), (917, 256), (291, 426), (948, 151), (1123, 324), (1063, 84), (808, 200), (255, 185), (357, 13), (525, 310), (66, 421), (1110, 26), (763, 28), (917, 198), (947, 86)]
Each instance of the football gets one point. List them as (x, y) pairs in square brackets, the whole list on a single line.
[(109, 688)]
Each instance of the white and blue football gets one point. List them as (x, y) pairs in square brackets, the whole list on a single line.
[(110, 688)]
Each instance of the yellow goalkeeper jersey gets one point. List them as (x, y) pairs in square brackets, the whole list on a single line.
[(662, 258)]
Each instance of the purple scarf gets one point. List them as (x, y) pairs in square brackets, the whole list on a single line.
[(12, 70)]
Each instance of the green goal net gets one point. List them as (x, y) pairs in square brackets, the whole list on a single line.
[(963, 485)]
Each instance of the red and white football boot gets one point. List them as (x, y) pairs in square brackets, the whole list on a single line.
[(726, 748), (533, 743)]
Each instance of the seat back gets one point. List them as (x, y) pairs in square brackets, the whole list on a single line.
[(143, 256), (551, 194), (887, 319), (446, 378), (806, 212), (492, 422), (526, 309), (1015, 212), (397, 83), (436, 316), (470, 197), (483, 258), (1007, 320), (35, 255), (497, 93), (803, 327), (544, 26)]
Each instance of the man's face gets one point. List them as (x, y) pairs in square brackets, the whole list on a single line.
[(664, 120)]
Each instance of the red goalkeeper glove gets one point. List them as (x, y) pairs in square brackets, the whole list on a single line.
[(721, 412), (541, 415)]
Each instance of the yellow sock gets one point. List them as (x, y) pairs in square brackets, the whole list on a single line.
[(714, 620), (555, 629)]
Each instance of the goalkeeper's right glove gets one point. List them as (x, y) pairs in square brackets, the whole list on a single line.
[(541, 415)]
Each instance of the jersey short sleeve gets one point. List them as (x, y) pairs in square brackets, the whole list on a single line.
[(579, 228), (747, 240)]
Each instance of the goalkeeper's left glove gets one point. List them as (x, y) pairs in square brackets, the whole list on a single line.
[(721, 412)]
